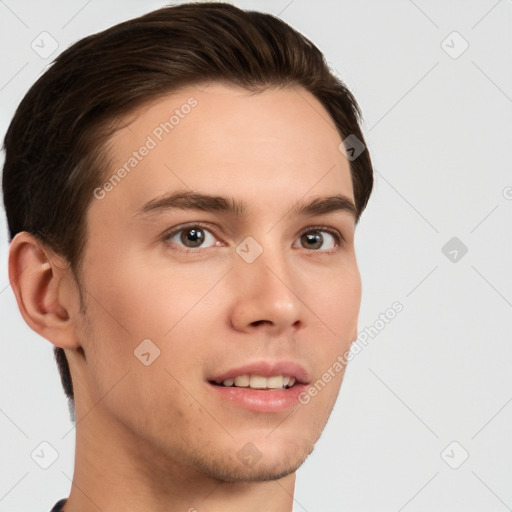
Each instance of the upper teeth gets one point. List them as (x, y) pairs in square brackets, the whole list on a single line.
[(259, 382)]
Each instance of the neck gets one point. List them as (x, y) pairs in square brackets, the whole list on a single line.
[(115, 470)]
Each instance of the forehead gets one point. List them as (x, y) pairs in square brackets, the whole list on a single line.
[(264, 147)]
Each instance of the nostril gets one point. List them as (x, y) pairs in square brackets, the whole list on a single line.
[(259, 322)]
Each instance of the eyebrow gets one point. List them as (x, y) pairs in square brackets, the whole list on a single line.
[(187, 200)]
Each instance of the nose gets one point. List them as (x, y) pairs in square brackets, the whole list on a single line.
[(266, 295)]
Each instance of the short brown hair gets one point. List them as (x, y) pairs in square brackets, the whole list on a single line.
[(55, 147)]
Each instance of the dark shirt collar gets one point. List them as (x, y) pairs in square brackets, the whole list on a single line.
[(58, 506)]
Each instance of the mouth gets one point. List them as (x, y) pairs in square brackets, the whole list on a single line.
[(262, 387), (260, 382), (264, 375)]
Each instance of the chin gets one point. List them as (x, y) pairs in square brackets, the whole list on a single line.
[(258, 466)]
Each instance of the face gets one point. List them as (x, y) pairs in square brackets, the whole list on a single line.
[(210, 284)]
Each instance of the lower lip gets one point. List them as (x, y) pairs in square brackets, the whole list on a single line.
[(261, 400)]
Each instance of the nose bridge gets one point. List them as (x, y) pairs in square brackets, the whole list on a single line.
[(265, 284), (266, 264)]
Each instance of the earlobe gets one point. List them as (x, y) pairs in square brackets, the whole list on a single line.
[(37, 281)]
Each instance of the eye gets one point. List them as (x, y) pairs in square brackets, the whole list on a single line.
[(315, 239), (192, 237)]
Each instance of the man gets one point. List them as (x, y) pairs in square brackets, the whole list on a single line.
[(182, 192)]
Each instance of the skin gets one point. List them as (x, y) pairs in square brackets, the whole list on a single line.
[(159, 437)]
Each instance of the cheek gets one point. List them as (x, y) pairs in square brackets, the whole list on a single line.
[(132, 303), (336, 300), (144, 299), (337, 306)]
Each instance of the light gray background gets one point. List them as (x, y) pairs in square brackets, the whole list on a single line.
[(439, 133)]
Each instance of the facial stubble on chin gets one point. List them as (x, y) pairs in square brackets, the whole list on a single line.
[(232, 470)]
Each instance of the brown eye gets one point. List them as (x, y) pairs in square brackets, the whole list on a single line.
[(319, 239), (312, 240), (192, 237)]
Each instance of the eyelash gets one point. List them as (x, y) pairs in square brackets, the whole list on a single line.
[(338, 238)]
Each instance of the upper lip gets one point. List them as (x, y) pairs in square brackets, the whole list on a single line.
[(266, 369)]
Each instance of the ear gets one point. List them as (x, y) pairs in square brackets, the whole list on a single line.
[(45, 290)]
